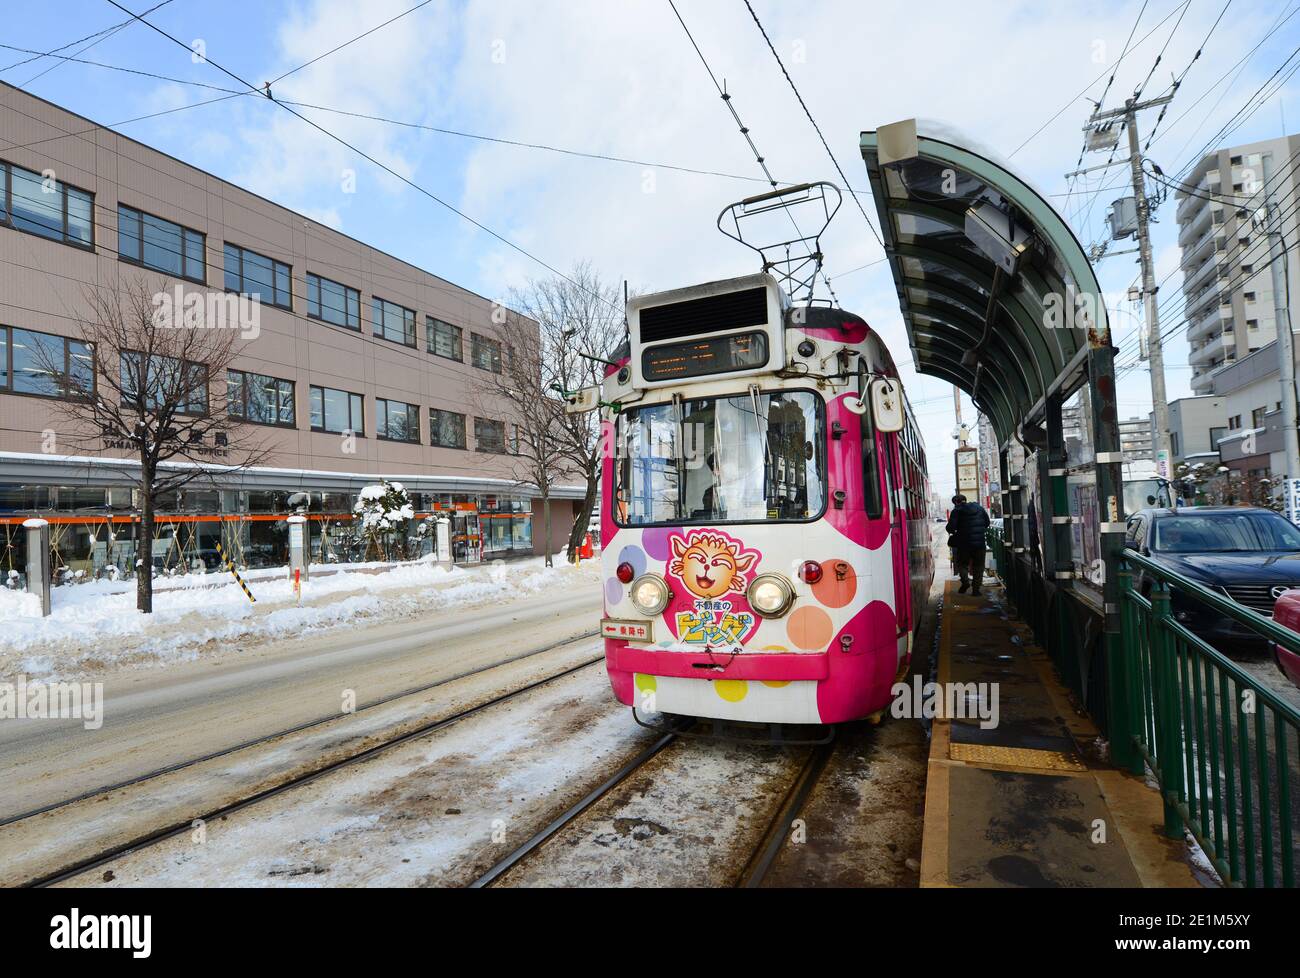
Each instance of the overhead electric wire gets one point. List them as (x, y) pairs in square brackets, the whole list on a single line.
[(1083, 146), (1082, 94), (818, 129), (1183, 75), (362, 153), (1239, 67), (352, 40), (1229, 126), (744, 131), (96, 38), (1123, 126), (244, 93)]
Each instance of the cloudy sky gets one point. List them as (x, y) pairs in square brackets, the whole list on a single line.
[(621, 78)]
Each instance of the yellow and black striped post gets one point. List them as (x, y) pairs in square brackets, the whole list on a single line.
[(238, 580)]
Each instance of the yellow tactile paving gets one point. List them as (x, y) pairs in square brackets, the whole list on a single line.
[(1046, 760)]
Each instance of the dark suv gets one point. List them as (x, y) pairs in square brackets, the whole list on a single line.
[(1251, 555)]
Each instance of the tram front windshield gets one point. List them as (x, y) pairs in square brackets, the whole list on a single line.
[(746, 458)]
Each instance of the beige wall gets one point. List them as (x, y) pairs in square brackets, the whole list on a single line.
[(43, 283)]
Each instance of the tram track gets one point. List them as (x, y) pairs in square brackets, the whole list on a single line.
[(288, 731), (777, 834), (573, 812), (157, 836), (763, 856)]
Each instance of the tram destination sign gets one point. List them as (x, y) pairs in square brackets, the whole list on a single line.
[(702, 357)]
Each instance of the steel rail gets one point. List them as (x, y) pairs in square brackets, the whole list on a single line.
[(256, 741), (161, 835)]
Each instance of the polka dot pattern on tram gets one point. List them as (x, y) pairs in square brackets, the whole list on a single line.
[(655, 541), (838, 584), (810, 628), (613, 591), (634, 555), (731, 690)]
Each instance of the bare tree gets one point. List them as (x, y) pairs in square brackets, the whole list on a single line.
[(578, 318), (154, 386), (520, 417)]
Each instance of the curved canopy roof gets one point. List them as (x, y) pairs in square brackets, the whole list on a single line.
[(996, 292)]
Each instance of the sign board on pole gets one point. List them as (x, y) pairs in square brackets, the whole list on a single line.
[(1291, 500)]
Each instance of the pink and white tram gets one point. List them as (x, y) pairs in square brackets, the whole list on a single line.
[(764, 521)]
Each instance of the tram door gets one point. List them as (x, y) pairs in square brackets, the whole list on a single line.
[(898, 531), (466, 538)]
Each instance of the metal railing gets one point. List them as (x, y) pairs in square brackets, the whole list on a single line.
[(1223, 747), (993, 539)]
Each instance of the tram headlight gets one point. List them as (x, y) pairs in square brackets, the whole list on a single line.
[(650, 594), (770, 595)]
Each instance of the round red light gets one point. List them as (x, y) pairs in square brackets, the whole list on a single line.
[(625, 572), (810, 572)]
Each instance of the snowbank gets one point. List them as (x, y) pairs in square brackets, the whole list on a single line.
[(95, 625)]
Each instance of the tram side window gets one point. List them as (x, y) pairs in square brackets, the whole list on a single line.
[(871, 472)]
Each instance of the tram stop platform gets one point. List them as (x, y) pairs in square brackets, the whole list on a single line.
[(1029, 801)]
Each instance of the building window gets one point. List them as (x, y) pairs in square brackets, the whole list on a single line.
[(39, 204), (444, 339), (446, 429), (1234, 422), (1249, 296), (393, 322), (257, 275), (143, 239), (1257, 417), (396, 420), (1173, 443), (490, 436), (159, 382), (333, 303), (43, 364), (336, 411), (260, 399), (485, 353)]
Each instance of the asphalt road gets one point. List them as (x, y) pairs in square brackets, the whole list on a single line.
[(154, 718)]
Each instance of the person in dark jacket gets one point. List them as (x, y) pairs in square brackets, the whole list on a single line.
[(966, 526)]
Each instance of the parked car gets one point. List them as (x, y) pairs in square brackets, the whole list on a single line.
[(1251, 555), (1287, 612)]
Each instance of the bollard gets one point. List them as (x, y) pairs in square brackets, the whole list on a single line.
[(38, 561), (297, 548)]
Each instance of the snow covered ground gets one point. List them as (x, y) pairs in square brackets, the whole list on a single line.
[(94, 627)]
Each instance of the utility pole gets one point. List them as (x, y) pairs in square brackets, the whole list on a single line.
[(1155, 352)]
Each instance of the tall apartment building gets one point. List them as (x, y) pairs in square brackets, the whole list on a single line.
[(1228, 283), (350, 339), (1135, 439)]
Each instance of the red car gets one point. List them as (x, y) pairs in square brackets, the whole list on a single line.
[(1287, 612)]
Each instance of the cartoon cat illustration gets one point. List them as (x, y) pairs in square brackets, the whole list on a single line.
[(710, 564)]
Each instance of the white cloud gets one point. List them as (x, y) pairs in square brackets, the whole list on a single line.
[(623, 79)]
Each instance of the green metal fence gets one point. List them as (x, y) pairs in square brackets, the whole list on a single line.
[(1224, 748)]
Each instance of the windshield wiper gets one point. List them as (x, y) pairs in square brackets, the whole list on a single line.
[(679, 456), (760, 424)]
